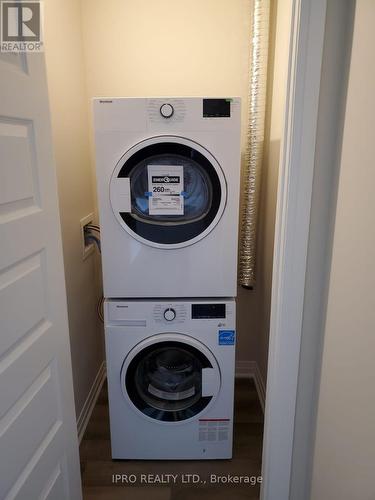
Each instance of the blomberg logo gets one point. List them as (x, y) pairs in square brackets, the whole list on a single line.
[(21, 26), (166, 179)]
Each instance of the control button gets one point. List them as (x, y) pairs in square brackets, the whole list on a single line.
[(166, 110), (169, 314)]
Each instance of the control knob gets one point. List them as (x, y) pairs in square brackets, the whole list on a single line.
[(169, 314), (166, 110)]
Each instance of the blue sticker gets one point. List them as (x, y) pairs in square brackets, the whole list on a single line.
[(227, 337), (148, 194)]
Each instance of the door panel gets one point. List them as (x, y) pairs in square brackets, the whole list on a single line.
[(38, 436), (170, 380)]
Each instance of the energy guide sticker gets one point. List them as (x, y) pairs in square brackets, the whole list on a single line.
[(165, 185)]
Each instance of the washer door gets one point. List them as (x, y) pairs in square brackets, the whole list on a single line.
[(168, 192), (170, 377)]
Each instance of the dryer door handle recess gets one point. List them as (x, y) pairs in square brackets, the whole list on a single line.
[(210, 382)]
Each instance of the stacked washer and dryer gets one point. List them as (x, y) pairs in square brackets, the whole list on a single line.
[(168, 172)]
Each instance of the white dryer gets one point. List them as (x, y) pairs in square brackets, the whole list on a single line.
[(170, 368), (168, 172)]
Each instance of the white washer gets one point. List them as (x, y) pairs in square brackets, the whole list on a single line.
[(170, 368), (168, 172)]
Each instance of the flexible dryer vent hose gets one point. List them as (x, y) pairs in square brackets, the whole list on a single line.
[(255, 141)]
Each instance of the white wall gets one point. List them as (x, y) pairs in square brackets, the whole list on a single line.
[(344, 459), (68, 105)]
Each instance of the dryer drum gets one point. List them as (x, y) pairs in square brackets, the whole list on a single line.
[(198, 191), (202, 193)]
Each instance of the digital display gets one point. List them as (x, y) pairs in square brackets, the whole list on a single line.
[(216, 108), (207, 311)]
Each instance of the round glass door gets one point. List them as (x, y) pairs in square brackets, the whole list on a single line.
[(176, 188), (166, 381)]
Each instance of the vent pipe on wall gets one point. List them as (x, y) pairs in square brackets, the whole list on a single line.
[(255, 141)]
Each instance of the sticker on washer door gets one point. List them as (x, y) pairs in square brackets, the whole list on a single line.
[(227, 337), (165, 189)]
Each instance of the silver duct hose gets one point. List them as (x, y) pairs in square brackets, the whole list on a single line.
[(255, 141)]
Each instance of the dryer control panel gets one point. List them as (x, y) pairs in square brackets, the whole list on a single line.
[(193, 114)]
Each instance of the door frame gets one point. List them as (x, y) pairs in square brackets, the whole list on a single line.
[(293, 215)]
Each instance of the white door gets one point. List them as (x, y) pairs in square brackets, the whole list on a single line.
[(38, 437)]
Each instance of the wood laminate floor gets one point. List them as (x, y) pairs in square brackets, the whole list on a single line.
[(97, 466)]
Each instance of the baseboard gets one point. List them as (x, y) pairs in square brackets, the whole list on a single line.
[(84, 416), (250, 369)]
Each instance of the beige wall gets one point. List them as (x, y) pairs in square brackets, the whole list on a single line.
[(173, 47), (68, 104), (257, 317), (281, 18), (164, 47), (169, 47), (344, 460)]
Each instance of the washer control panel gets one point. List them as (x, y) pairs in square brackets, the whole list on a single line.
[(170, 313), (135, 313)]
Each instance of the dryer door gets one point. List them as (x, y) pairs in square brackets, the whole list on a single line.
[(168, 192), (170, 377)]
